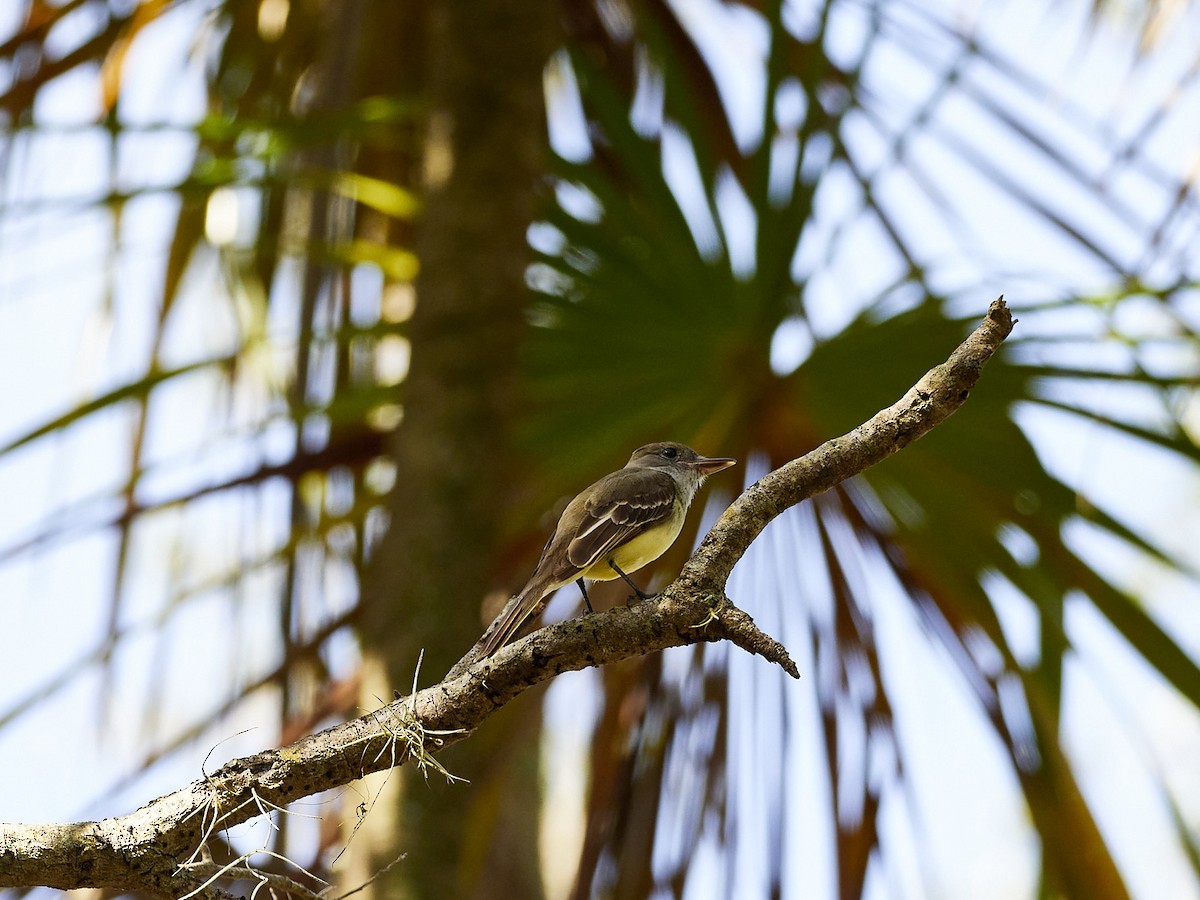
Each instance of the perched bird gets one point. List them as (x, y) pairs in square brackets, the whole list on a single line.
[(622, 522)]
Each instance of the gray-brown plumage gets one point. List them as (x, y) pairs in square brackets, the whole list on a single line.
[(622, 522)]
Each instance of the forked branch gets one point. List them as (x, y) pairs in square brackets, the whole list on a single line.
[(146, 850)]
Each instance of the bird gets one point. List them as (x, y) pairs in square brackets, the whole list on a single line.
[(622, 522)]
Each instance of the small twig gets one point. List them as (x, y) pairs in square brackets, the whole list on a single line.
[(395, 862), (739, 629), (235, 871)]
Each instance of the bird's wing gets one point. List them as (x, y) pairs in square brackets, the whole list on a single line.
[(621, 506)]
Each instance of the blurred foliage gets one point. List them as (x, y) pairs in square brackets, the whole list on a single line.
[(765, 221)]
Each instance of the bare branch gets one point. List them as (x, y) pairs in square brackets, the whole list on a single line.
[(143, 850)]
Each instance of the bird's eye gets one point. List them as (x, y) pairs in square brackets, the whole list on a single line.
[(668, 452)]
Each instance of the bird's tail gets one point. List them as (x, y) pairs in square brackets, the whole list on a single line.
[(520, 610)]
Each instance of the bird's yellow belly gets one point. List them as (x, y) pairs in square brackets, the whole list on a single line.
[(632, 555)]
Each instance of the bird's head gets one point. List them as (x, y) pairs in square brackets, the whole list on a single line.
[(677, 459)]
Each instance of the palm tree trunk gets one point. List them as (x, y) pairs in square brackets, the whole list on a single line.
[(483, 156)]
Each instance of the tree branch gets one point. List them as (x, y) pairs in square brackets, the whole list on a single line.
[(928, 403), (147, 850)]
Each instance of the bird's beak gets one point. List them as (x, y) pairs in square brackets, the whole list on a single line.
[(707, 465)]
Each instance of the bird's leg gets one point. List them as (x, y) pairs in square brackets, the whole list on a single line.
[(583, 590), (629, 581)]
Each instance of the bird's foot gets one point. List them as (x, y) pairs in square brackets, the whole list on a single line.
[(641, 595), (637, 597)]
